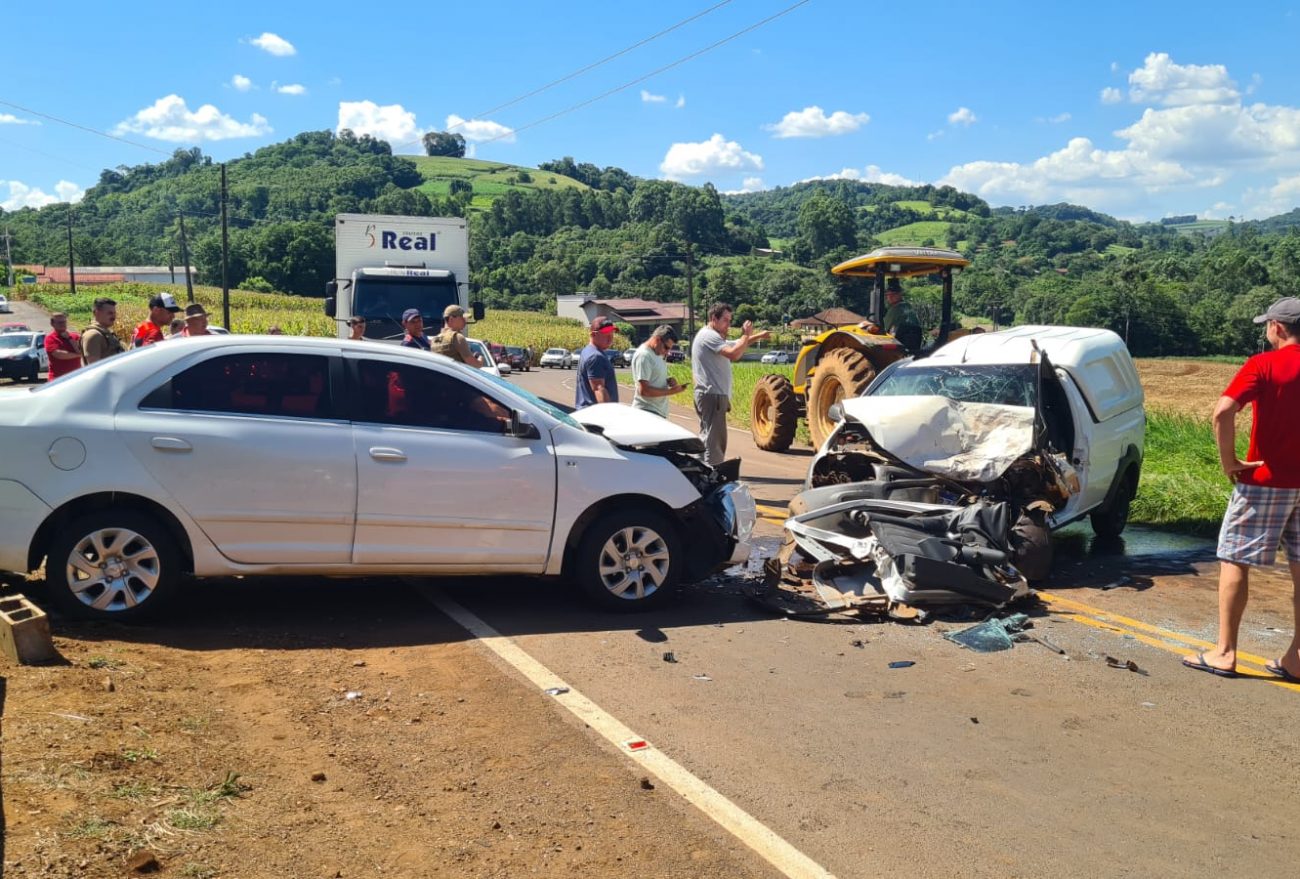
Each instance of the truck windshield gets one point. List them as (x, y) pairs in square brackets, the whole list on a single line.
[(1005, 384), (387, 298)]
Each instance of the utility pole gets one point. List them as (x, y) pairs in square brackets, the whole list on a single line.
[(9, 258), (225, 255), (690, 293), (72, 267), (185, 261)]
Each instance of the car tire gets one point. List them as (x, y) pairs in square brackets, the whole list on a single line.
[(600, 564), (141, 555), (842, 373), (774, 413), (1111, 520)]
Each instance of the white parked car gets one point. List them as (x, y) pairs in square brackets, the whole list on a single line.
[(557, 358), (490, 364), (1034, 414), (245, 455), (776, 357), (22, 356), (4, 304)]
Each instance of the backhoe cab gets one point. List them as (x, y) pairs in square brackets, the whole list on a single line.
[(840, 362)]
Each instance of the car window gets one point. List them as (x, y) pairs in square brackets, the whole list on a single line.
[(410, 395), (286, 385), (15, 340), (1005, 384)]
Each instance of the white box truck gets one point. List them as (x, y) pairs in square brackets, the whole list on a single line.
[(386, 264)]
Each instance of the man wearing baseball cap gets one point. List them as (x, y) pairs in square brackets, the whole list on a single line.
[(162, 308), (414, 325), (1265, 505), (452, 342), (596, 382)]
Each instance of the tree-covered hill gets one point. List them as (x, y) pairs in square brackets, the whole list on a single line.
[(567, 226)]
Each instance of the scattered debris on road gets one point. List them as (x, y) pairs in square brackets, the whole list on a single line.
[(555, 691), (902, 663), (1129, 664), (669, 656), (992, 635)]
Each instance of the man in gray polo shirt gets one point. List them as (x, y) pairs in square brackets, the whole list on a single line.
[(711, 359)]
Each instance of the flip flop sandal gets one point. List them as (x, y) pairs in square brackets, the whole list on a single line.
[(1201, 665), (1278, 671)]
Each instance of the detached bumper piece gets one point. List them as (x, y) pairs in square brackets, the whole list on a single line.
[(891, 558)]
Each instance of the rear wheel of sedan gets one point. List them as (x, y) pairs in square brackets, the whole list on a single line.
[(630, 560), (112, 566)]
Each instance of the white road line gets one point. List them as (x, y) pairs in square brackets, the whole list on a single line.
[(762, 839)]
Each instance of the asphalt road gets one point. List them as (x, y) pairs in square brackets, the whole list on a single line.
[(1021, 763)]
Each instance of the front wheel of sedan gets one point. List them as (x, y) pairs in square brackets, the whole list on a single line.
[(112, 566), (630, 561)]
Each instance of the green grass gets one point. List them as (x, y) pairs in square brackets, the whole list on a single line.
[(1182, 487), (1202, 226), (490, 179), (1118, 250), (915, 233)]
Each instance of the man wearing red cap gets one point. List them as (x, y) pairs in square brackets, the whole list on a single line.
[(596, 380), (1265, 506)]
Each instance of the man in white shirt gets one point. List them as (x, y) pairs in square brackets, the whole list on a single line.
[(650, 382), (711, 359)]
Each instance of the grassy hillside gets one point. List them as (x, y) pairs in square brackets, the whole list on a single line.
[(915, 233), (489, 179), (1202, 227)]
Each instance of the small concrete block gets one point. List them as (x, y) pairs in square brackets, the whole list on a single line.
[(25, 632)]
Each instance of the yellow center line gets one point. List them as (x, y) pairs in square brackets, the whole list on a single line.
[(1155, 636)]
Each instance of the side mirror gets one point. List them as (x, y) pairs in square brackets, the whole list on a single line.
[(476, 309), (521, 426), (331, 288), (329, 305), (835, 413)]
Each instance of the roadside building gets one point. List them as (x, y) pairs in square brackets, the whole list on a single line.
[(643, 315)]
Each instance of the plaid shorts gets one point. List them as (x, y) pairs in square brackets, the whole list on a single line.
[(1258, 518)]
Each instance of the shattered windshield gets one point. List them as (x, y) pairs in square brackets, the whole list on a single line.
[(1003, 384)]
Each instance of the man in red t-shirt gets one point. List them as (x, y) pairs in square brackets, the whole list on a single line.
[(162, 308), (62, 346), (1265, 505)]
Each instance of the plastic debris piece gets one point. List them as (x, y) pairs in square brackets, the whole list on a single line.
[(1148, 705), (1129, 664), (975, 720), (702, 677), (669, 656), (902, 663), (636, 744), (555, 691), (352, 695), (991, 635), (859, 643), (1042, 639)]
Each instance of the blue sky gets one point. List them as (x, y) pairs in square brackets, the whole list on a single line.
[(1139, 109)]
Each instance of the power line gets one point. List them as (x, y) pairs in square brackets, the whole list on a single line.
[(640, 79), (84, 128), (581, 70)]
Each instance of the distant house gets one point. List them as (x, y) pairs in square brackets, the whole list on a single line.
[(831, 317), (108, 274), (768, 252), (643, 314)]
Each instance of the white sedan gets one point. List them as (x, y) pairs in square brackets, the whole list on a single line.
[(557, 358), (4, 304), (776, 357), (247, 455)]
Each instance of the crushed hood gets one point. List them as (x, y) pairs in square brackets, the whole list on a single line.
[(967, 442), (636, 428)]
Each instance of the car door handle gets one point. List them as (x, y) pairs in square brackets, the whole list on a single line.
[(382, 453), (171, 444)]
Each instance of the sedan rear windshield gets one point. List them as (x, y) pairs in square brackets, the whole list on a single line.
[(1004, 384), (15, 340)]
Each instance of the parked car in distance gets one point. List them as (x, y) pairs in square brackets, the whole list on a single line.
[(4, 304), (248, 455), (777, 357), (22, 356), (628, 355), (675, 355), (1031, 414), (615, 358), (557, 358), (490, 363), (14, 327), (517, 358)]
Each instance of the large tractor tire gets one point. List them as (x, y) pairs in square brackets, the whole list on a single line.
[(774, 413), (841, 373)]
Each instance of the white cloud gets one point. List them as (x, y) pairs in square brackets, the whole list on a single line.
[(23, 196), (1282, 196), (717, 154), (1059, 118), (1160, 81), (750, 184), (1114, 67), (334, 81), (274, 44), (872, 174), (935, 135), (1111, 95), (962, 116), (169, 119), (391, 122), (240, 83), (647, 98), (1218, 133), (681, 102), (480, 130), (11, 119), (292, 88), (813, 122)]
